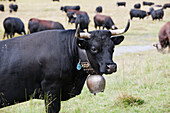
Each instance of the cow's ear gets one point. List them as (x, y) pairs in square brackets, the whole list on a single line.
[(82, 43), (117, 39)]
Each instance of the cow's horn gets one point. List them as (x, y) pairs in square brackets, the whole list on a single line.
[(81, 35), (121, 31)]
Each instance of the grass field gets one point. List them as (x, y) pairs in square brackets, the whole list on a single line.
[(139, 75), (143, 75)]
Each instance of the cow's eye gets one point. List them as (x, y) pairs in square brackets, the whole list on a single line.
[(94, 50)]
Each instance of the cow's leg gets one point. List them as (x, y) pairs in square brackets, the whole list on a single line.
[(23, 32), (131, 17), (87, 30), (52, 96), (10, 35), (4, 35), (7, 36), (52, 102)]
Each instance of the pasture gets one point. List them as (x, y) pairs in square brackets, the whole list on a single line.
[(143, 75)]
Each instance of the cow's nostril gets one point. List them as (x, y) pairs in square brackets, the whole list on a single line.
[(111, 68)]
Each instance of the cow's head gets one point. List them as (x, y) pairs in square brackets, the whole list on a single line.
[(99, 46)]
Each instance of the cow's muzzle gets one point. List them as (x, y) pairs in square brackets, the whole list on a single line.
[(111, 68)]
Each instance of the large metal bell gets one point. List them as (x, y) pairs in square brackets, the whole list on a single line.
[(96, 83)]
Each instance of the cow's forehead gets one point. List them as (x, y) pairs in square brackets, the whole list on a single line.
[(101, 34), (101, 38)]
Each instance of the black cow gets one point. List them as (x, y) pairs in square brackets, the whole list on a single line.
[(1, 7), (148, 3), (156, 14), (158, 5), (36, 25), (65, 8), (137, 6), (121, 4), (104, 21), (56, 0), (44, 63), (83, 21), (13, 7), (99, 9), (71, 14), (141, 14), (13, 25), (12, 0), (167, 5)]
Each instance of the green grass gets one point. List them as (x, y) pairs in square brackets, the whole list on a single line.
[(141, 85)]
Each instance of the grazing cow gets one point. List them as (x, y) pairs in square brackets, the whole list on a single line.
[(83, 21), (156, 14), (104, 21), (141, 14), (99, 9), (167, 5), (13, 25), (81, 18), (1, 7), (164, 38), (13, 7), (12, 0), (65, 8), (121, 4), (71, 18), (56, 0), (36, 25), (71, 15), (44, 64), (148, 3), (158, 5), (137, 6)]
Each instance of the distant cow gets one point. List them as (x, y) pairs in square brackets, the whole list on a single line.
[(121, 4), (65, 8), (12, 0), (167, 5), (83, 21), (36, 25), (56, 0), (148, 3), (99, 9), (104, 21), (13, 7), (164, 38), (13, 25), (137, 6), (156, 14), (1, 7), (141, 14), (71, 14), (158, 5)]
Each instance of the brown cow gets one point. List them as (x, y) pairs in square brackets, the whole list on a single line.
[(104, 21), (164, 38), (36, 25)]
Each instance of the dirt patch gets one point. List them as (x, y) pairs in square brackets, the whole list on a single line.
[(132, 49)]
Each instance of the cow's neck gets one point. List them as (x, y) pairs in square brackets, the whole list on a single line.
[(84, 62)]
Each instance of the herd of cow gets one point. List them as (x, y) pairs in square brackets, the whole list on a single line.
[(44, 63)]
